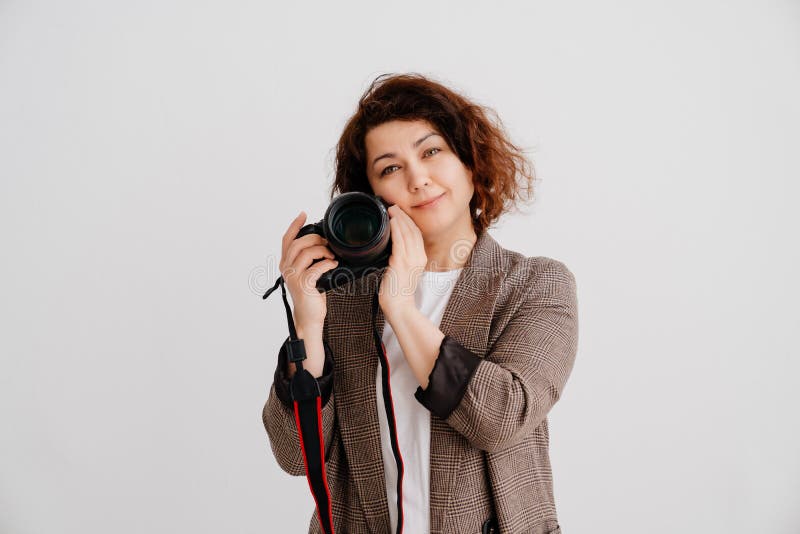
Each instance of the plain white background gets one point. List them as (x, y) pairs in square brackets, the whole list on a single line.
[(153, 153)]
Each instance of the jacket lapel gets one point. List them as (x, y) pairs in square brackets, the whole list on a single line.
[(467, 319), (356, 370)]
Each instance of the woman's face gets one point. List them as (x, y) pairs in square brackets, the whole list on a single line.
[(408, 164)]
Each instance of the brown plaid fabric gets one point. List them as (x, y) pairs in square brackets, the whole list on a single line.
[(511, 328)]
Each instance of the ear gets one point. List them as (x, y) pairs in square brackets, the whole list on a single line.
[(470, 172), (471, 178)]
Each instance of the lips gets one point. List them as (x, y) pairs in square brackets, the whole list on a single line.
[(429, 202)]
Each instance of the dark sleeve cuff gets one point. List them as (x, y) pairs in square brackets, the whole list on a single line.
[(282, 382), (449, 378)]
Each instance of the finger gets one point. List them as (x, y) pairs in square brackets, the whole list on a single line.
[(409, 225), (403, 220), (398, 242), (291, 232), (413, 243), (317, 270), (305, 257), (400, 212), (413, 235), (411, 232), (300, 244)]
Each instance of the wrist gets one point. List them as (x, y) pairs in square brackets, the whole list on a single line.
[(399, 310), (311, 332)]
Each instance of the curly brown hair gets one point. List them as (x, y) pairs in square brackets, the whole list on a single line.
[(502, 174)]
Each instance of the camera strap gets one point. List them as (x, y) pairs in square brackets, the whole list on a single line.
[(307, 399)]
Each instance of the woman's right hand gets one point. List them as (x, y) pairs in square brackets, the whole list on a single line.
[(300, 276)]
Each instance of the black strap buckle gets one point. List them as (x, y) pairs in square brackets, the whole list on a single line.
[(304, 387), (490, 526), (295, 350)]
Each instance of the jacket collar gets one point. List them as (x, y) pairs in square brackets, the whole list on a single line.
[(467, 319)]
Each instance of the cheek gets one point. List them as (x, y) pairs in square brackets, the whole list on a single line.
[(385, 191), (377, 187), (460, 179), (388, 189)]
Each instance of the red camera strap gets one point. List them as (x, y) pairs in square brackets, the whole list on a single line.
[(307, 401)]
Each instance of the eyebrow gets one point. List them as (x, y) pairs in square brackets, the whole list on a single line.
[(415, 145)]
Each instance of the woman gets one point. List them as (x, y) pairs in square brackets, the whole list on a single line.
[(477, 341)]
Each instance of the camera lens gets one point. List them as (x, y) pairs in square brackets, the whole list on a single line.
[(356, 224), (357, 227)]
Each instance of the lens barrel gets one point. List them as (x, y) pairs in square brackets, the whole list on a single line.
[(356, 226)]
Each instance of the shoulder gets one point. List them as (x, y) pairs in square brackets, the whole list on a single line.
[(545, 270), (534, 293), (531, 282), (534, 269)]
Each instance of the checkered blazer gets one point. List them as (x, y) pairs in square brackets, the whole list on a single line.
[(511, 335)]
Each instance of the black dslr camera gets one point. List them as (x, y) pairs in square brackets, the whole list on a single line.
[(356, 226)]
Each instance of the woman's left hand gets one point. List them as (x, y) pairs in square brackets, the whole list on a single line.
[(406, 263)]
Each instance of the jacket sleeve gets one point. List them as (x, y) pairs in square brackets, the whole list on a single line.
[(496, 400), (279, 418)]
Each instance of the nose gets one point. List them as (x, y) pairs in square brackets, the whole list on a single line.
[(417, 176)]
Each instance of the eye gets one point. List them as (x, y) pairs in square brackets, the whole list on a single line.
[(383, 172), (433, 148)]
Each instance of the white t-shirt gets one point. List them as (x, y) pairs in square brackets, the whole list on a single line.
[(412, 418)]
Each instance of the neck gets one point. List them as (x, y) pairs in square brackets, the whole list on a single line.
[(450, 250)]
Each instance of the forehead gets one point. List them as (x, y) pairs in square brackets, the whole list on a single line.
[(396, 134)]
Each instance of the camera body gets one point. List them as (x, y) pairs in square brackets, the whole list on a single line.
[(356, 226)]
